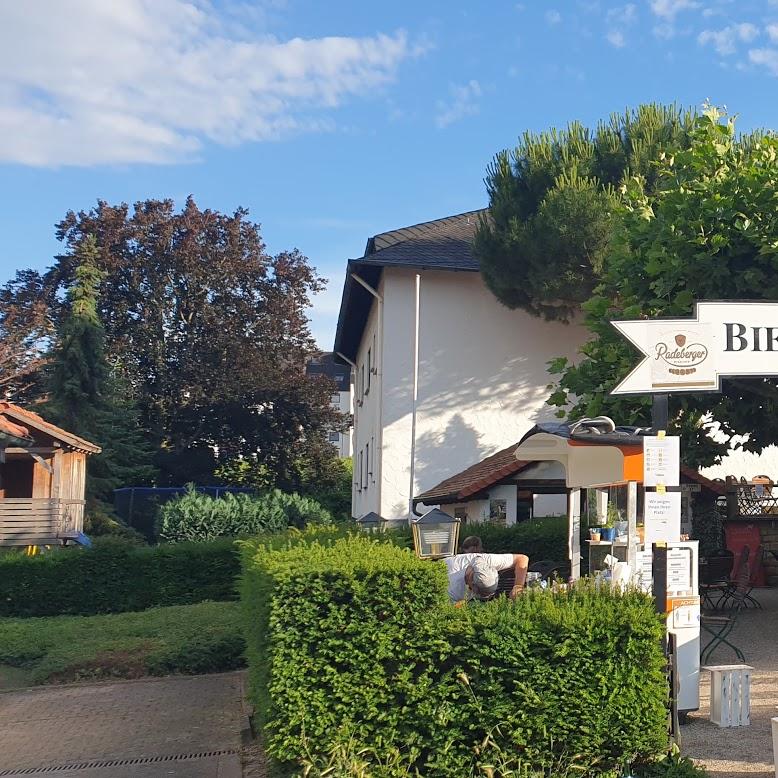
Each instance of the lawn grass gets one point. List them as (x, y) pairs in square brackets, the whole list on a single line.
[(200, 638)]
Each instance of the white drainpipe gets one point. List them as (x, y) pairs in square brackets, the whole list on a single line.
[(415, 396)]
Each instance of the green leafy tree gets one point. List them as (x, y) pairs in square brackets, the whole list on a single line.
[(707, 228), (86, 397), (211, 333), (552, 204)]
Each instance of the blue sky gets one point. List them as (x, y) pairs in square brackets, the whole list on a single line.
[(334, 121)]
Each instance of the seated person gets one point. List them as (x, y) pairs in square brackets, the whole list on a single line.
[(472, 545), (474, 576)]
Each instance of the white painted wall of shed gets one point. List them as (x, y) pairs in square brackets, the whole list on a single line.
[(482, 378)]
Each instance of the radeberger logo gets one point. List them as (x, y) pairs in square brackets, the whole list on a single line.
[(681, 358)]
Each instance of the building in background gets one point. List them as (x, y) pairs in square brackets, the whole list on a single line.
[(325, 364), (443, 374)]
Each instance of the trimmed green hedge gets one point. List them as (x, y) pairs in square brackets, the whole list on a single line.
[(116, 577), (355, 656)]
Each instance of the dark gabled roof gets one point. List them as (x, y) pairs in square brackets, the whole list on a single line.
[(476, 478), (495, 468), (442, 244), (325, 364)]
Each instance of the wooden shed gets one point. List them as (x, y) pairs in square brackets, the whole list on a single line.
[(42, 479)]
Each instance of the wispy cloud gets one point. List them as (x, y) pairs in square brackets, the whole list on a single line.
[(767, 58), (772, 31), (666, 11), (92, 82), (553, 16), (617, 21), (462, 102), (725, 41)]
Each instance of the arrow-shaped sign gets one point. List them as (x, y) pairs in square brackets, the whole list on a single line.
[(732, 338)]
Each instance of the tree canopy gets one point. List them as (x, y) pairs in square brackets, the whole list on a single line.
[(706, 227), (552, 203), (203, 328)]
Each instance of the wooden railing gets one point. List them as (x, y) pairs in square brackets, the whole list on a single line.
[(33, 521)]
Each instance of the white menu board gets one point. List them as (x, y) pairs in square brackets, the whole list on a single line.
[(644, 574), (679, 572), (662, 517), (661, 461)]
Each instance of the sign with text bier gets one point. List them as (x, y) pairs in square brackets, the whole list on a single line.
[(728, 338)]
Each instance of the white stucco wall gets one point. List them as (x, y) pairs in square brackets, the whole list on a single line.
[(366, 436), (482, 378)]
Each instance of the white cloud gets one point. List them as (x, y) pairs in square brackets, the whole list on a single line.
[(668, 9), (725, 40), (92, 82), (768, 58), (617, 20), (463, 102), (553, 16), (772, 31)]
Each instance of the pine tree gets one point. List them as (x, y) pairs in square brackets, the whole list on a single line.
[(86, 396)]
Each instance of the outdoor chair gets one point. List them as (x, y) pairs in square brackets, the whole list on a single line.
[(715, 577), (720, 626)]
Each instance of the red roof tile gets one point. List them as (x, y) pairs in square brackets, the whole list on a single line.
[(11, 414), (477, 477)]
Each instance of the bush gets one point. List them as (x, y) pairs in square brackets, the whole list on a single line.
[(195, 516), (353, 646), (541, 538), (114, 576), (182, 639)]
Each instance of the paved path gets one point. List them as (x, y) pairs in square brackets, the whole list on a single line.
[(742, 752), (187, 727)]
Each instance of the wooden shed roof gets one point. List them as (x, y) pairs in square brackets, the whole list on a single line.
[(27, 423)]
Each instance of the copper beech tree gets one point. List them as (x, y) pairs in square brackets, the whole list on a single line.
[(208, 329)]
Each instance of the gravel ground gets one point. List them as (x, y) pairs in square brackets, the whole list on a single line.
[(742, 752)]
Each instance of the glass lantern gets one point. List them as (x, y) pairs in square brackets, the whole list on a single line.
[(371, 522), (435, 535)]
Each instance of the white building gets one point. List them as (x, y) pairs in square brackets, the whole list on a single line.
[(443, 374), (325, 364)]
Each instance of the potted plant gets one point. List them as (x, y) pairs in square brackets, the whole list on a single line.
[(608, 530)]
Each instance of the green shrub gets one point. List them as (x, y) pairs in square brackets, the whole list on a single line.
[(114, 576), (196, 516), (205, 637), (541, 538), (354, 646)]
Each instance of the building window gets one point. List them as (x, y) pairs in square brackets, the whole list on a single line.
[(333, 437), (461, 514), (372, 463), (369, 369), (335, 400), (368, 472), (498, 512), (362, 390), (361, 482)]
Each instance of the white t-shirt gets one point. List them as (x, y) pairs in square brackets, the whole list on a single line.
[(457, 565)]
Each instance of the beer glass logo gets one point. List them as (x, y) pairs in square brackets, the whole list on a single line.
[(681, 358)]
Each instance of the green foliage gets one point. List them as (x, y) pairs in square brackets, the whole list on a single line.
[(115, 576), (704, 229), (353, 647), (199, 638), (194, 516), (671, 765), (86, 397), (540, 538), (552, 203)]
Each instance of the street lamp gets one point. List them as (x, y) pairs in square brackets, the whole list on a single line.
[(371, 522), (435, 534)]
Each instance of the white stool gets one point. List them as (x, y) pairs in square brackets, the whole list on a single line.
[(730, 695)]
